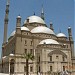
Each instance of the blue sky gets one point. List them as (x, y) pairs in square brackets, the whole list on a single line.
[(60, 12)]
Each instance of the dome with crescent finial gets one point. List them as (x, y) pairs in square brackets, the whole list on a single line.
[(35, 19)]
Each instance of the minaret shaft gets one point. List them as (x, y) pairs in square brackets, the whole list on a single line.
[(51, 26), (42, 13), (6, 22)]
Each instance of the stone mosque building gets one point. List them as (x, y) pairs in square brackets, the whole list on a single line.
[(53, 53)]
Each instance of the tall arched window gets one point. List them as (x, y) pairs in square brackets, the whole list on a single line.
[(63, 58), (12, 62), (50, 58)]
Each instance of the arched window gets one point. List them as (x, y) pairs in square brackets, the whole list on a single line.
[(50, 58), (50, 68), (63, 68), (12, 62), (63, 58)]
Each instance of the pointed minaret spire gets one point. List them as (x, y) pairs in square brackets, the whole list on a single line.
[(59, 31), (8, 2), (51, 26), (6, 22), (34, 13), (42, 13), (42, 9)]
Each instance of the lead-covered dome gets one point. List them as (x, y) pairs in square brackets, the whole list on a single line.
[(25, 28), (35, 19), (42, 29), (13, 33), (22, 29), (48, 41), (61, 35)]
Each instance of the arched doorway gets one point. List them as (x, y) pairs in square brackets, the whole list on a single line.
[(12, 62)]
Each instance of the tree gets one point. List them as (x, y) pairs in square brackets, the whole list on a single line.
[(27, 56)]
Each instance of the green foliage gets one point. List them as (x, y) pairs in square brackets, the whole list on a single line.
[(28, 56)]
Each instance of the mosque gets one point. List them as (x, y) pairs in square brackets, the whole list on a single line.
[(53, 53)]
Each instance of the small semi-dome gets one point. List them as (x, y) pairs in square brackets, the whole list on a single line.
[(22, 29), (13, 33), (25, 28), (35, 19), (48, 41), (18, 16), (61, 35), (42, 29)]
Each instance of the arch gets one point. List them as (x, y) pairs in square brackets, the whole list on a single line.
[(57, 52), (12, 62)]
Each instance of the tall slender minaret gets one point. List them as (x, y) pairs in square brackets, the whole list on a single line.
[(42, 13), (71, 41), (6, 22)]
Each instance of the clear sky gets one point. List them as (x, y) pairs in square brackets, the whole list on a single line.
[(60, 12)]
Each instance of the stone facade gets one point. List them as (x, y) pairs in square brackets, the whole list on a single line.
[(52, 53)]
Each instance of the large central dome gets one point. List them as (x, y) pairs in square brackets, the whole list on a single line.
[(35, 19), (42, 29)]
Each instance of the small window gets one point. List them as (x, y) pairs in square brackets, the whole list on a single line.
[(24, 68), (31, 51), (50, 58), (39, 68), (57, 57), (25, 51), (12, 52), (31, 69), (64, 46), (63, 68), (67, 46), (39, 58), (63, 58), (27, 33), (25, 42), (50, 68), (39, 35), (31, 43), (12, 61)]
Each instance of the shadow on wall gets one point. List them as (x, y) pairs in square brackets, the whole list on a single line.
[(3, 74)]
